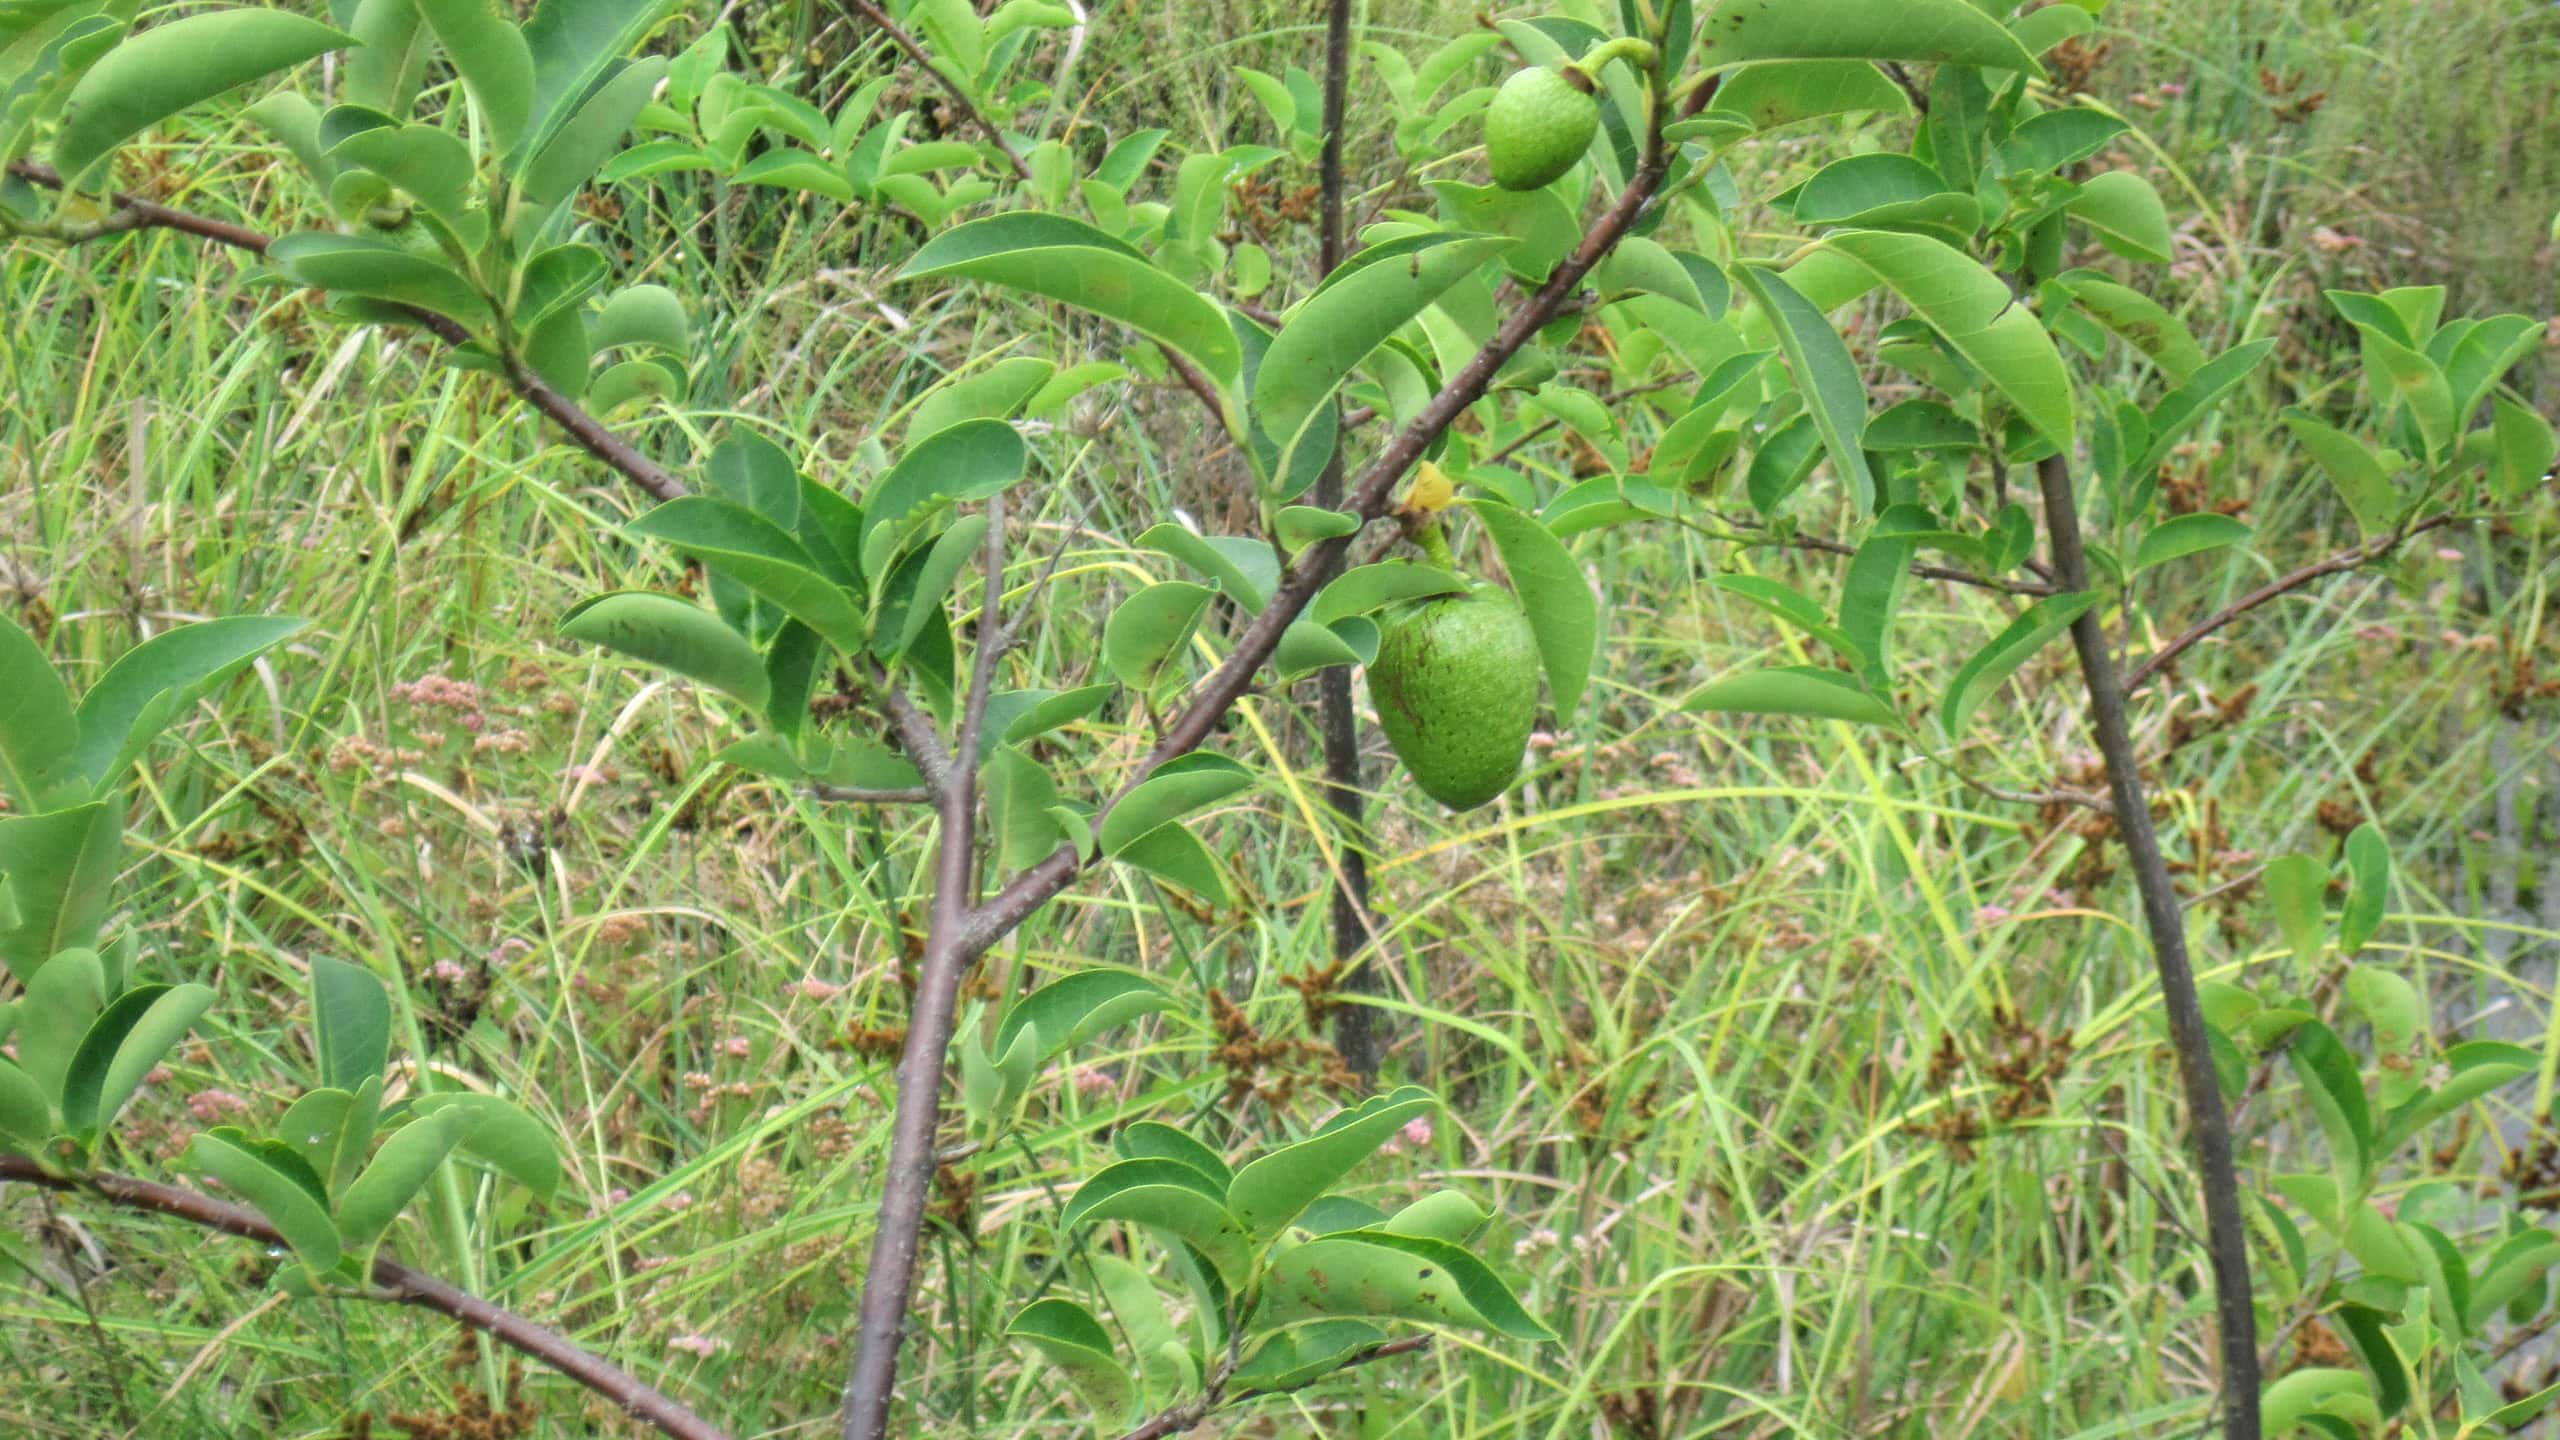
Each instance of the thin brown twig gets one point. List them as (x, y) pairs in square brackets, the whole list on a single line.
[(870, 795), (397, 1282), (1192, 1414), (2283, 585)]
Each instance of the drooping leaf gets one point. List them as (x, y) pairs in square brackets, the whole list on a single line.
[(1973, 311), (496, 65), (172, 67), (2354, 471), (161, 674), (1167, 1195), (1995, 662), (123, 1044), (283, 1198), (350, 1022), (398, 1171), (1563, 614), (2183, 535), (1385, 1275), (1074, 1008), (1796, 690), (1177, 788), (504, 1135), (2126, 214), (1950, 31), (1269, 1191), (1824, 373), (1071, 261), (760, 555), (1068, 1337), (677, 634), (1149, 630)]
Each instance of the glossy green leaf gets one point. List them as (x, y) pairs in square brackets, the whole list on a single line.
[(996, 392), (1824, 374), (166, 671), (2183, 535), (1564, 616), (378, 269), (2368, 887), (920, 597), (1994, 663), (1148, 632), (1952, 31), (1972, 310), (2125, 213), (1074, 1008), (676, 634), (1177, 788), (1384, 1275), (1373, 294), (2185, 407), (496, 65), (398, 1171), (1173, 854), (1068, 1337), (1300, 1354), (283, 1198), (504, 1135), (1167, 1195), (2056, 139), (61, 1001), (167, 68), (430, 165), (971, 460), (38, 749), (1796, 690), (123, 1044), (1771, 93), (1143, 1139), (591, 134), (2139, 321), (1070, 261), (573, 44), (1364, 588), (1785, 602), (315, 1126), (61, 867), (1245, 568), (760, 555), (1269, 1191)]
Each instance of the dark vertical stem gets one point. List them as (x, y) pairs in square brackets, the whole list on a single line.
[(888, 1286), (1355, 1031), (2226, 1237)]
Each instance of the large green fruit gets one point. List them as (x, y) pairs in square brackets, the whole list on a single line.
[(1456, 689), (1539, 123)]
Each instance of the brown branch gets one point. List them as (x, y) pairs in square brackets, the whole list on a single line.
[(1037, 885), (868, 795), (398, 1282), (2280, 587), (880, 21), (2226, 1232), (132, 212), (888, 1286)]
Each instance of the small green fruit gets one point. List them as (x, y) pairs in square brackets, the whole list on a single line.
[(1539, 123), (1456, 689)]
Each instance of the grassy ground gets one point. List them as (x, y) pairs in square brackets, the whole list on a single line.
[(1815, 1092)]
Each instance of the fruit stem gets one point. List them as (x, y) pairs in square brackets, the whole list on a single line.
[(1435, 546), (1639, 53)]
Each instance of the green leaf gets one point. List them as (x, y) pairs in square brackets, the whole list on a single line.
[(1172, 853), (390, 55), (26, 1120), (2526, 447), (1373, 294), (1972, 310), (1642, 264), (2126, 214), (1796, 690), (1563, 615), (589, 136), (1145, 636), (430, 165), (398, 1171), (2336, 1092), (1364, 588), (914, 594), (1269, 1192), (1167, 1195), (1994, 663), (350, 1023), (1951, 31), (61, 1001), (1044, 711), (2181, 410), (1245, 568), (573, 43), (676, 634), (760, 555), (1772, 93), (2401, 375), (2368, 887), (971, 460), (1824, 373), (495, 63), (162, 673), (1300, 1354), (1177, 788), (996, 392), (1143, 1139), (37, 731), (130, 1037), (1381, 1274), (1074, 1008), (168, 68), (1071, 261), (2139, 321), (2301, 1395), (61, 867), (2184, 535), (1068, 1337), (315, 1126), (2056, 138), (504, 1135), (2353, 470), (1793, 606), (2296, 886), (381, 270), (282, 1197)]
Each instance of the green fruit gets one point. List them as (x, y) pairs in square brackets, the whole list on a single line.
[(1539, 123), (1456, 689)]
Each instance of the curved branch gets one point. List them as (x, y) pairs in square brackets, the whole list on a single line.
[(409, 1287)]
